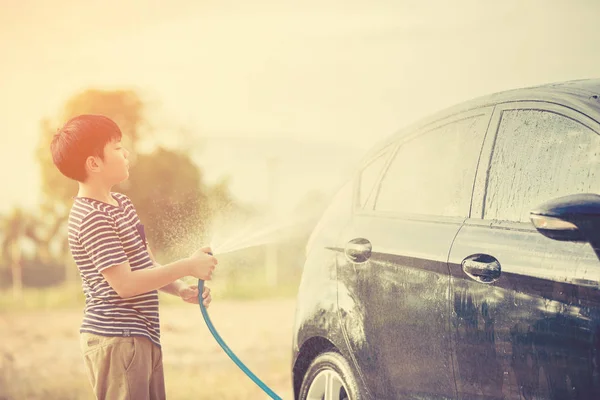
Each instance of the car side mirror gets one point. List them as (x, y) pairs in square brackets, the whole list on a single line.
[(573, 218)]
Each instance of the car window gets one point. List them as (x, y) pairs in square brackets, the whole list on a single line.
[(369, 177), (539, 155), (433, 173)]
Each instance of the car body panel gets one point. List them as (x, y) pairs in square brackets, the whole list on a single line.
[(414, 325), (395, 307), (533, 333)]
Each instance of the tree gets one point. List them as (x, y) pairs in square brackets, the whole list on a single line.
[(17, 228), (126, 108), (166, 186)]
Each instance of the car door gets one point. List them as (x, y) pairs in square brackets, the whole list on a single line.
[(525, 308), (393, 277)]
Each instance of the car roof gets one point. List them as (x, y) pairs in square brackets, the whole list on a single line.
[(582, 95)]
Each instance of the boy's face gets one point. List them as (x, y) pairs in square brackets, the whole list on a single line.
[(114, 169)]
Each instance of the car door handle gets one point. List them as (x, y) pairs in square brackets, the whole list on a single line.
[(482, 268), (358, 250)]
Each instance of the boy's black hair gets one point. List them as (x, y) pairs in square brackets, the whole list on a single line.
[(81, 137)]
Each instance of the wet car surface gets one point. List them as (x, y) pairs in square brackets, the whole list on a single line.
[(461, 261)]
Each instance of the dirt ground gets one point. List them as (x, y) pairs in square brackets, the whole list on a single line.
[(40, 359)]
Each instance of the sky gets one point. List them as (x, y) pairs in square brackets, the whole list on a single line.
[(334, 75)]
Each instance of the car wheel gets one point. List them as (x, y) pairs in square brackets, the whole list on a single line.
[(329, 377)]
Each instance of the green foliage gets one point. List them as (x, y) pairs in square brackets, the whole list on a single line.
[(125, 107), (179, 209), (70, 295), (165, 185), (51, 298)]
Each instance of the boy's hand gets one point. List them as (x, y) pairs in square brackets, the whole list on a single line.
[(189, 294), (202, 264)]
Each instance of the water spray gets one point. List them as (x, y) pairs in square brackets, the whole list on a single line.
[(245, 238)]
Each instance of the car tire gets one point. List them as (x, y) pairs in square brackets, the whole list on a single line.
[(330, 368)]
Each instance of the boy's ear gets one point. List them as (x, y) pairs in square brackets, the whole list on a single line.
[(91, 164)]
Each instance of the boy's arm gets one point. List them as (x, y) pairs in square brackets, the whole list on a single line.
[(128, 283), (99, 239), (173, 288)]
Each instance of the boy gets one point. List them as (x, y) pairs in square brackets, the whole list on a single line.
[(120, 333)]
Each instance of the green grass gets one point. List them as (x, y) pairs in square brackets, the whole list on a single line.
[(34, 299), (246, 290), (71, 296)]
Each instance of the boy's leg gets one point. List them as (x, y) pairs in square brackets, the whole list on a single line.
[(118, 367), (157, 380)]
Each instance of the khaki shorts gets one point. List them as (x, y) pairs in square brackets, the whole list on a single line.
[(127, 368)]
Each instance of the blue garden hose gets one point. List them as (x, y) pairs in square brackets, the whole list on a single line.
[(227, 349)]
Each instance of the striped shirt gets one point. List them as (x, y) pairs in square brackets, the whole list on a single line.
[(102, 235)]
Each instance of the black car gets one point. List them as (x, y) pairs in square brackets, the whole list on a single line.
[(461, 261)]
